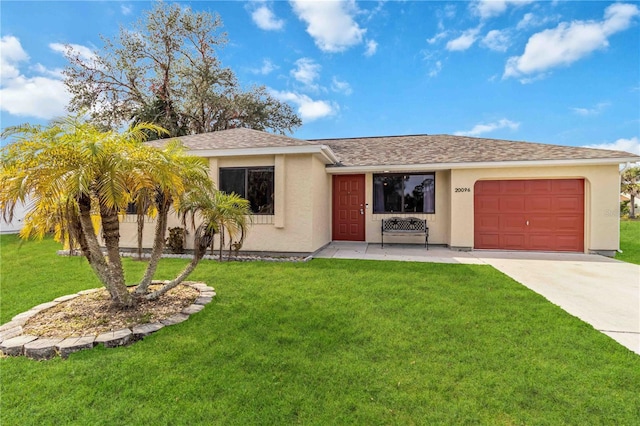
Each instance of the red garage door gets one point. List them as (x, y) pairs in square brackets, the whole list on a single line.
[(545, 215)]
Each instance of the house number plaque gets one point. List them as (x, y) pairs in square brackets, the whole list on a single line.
[(462, 190)]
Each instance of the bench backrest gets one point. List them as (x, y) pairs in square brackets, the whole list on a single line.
[(404, 224)]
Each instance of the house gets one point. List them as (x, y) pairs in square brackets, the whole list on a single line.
[(475, 193)]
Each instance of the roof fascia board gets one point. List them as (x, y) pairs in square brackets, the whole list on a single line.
[(479, 165), (323, 150)]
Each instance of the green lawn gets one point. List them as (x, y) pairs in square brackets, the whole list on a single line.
[(324, 342), (629, 241)]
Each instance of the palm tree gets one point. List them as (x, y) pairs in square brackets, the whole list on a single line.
[(71, 170), (631, 185), (208, 213)]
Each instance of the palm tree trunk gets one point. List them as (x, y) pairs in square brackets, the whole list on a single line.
[(140, 220), (158, 247), (111, 232), (202, 240), (90, 246), (632, 206)]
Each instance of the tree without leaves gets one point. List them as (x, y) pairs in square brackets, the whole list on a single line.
[(72, 173), (630, 184), (165, 70)]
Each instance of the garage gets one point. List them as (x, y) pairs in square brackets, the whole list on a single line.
[(534, 215)]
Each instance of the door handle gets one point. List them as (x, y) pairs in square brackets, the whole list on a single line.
[(527, 223), (361, 211)]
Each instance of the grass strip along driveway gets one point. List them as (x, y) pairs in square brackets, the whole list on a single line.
[(324, 342)]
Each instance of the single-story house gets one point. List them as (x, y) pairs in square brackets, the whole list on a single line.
[(475, 193)]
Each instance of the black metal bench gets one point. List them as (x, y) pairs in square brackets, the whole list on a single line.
[(405, 226)]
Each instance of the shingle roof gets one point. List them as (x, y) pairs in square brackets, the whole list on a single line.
[(235, 138), (402, 150), (432, 149)]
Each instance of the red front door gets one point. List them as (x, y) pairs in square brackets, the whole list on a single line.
[(348, 207)]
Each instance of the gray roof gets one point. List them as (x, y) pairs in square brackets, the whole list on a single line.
[(431, 149), (403, 150), (235, 138)]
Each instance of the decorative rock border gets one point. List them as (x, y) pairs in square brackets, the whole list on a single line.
[(14, 343)]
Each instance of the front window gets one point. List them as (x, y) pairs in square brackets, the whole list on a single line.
[(404, 193), (252, 183)]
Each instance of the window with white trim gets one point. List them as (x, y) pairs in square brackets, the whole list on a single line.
[(404, 193), (255, 184)]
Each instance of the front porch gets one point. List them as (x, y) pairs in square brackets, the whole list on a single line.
[(402, 252)]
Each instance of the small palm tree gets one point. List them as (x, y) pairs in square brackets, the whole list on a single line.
[(630, 184), (72, 171), (209, 213)]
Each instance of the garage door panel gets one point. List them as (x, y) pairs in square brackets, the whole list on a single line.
[(530, 215), (513, 223), (513, 241), (564, 186), (488, 204), (542, 224), (538, 204), (515, 187), (489, 240), (511, 204), (539, 187), (541, 241), (489, 223), (567, 203), (572, 223), (568, 243)]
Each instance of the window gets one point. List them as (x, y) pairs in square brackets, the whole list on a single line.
[(252, 183), (404, 193)]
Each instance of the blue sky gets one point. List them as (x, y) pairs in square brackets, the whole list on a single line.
[(561, 72)]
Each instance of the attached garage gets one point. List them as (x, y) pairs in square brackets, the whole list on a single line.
[(540, 215)]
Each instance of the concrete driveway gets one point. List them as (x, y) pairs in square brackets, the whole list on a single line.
[(601, 291)]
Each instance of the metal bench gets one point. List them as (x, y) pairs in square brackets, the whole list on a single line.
[(405, 226)]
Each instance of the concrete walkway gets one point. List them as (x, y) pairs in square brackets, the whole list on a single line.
[(601, 291)]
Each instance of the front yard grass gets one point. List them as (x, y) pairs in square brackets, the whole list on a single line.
[(629, 241), (324, 342)]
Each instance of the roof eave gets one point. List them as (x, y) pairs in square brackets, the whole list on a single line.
[(323, 151), (479, 165)]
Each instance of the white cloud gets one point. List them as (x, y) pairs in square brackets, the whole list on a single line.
[(39, 96), (497, 40), (85, 52), (265, 19), (307, 72), (591, 111), (267, 67), (529, 20), (490, 8), (569, 42), (479, 129), (435, 70), (126, 9), (11, 55), (341, 86), (437, 37), (308, 109), (372, 47), (330, 23), (465, 41), (631, 145)]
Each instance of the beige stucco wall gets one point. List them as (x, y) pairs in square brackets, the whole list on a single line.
[(602, 185), (438, 223), (302, 206)]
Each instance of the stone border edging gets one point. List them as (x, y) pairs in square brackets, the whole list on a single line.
[(14, 343)]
